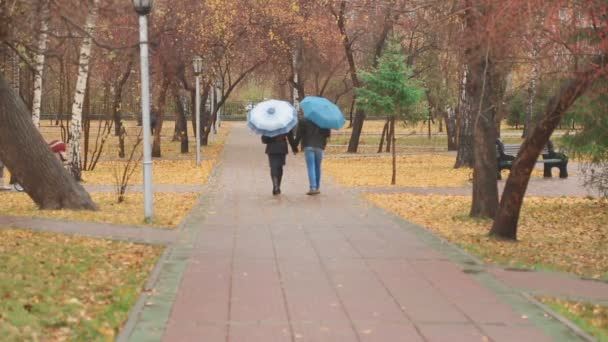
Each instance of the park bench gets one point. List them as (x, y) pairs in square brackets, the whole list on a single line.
[(506, 153)]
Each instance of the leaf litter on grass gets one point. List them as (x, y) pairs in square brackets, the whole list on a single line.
[(566, 234), (171, 207), (419, 170), (57, 288)]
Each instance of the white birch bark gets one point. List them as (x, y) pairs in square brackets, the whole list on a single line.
[(39, 60), (534, 77), (74, 155)]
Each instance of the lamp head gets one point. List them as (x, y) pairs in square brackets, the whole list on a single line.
[(197, 63), (143, 7)]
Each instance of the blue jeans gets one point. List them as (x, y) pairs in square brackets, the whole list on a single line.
[(314, 156)]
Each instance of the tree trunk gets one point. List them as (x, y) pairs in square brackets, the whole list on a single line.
[(394, 140), (86, 125), (482, 96), (296, 78), (30, 160), (384, 133), (193, 111), (505, 224), (117, 101), (451, 129), (160, 116), (74, 155), (182, 123), (39, 60), (482, 85), (353, 144), (532, 90), (535, 76), (389, 135), (464, 158)]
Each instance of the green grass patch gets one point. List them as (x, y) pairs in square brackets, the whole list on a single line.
[(57, 287), (591, 318)]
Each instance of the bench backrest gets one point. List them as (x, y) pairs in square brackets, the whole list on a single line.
[(513, 149)]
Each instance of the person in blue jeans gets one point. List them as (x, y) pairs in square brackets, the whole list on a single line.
[(314, 140)]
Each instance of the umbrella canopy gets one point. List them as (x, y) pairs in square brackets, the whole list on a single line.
[(322, 112), (272, 118)]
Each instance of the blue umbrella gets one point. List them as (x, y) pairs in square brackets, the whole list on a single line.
[(322, 112), (272, 118)]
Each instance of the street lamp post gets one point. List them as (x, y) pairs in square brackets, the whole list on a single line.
[(197, 63), (143, 8)]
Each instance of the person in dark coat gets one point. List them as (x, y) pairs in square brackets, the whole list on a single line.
[(277, 149), (314, 141)]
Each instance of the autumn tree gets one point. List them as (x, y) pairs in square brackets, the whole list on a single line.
[(390, 90), (584, 46), (22, 147), (74, 151), (342, 12)]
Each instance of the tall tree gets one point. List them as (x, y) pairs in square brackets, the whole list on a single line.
[(479, 106), (26, 154), (390, 90), (505, 224), (586, 47), (39, 59), (74, 153)]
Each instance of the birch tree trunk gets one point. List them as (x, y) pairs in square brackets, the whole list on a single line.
[(39, 60), (74, 154), (464, 158), (532, 90)]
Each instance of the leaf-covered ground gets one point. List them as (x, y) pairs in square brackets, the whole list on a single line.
[(567, 234), (431, 170), (415, 170), (61, 288), (183, 172), (592, 318), (170, 209)]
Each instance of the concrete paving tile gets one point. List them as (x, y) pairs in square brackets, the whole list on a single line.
[(449, 332), (256, 292), (259, 332)]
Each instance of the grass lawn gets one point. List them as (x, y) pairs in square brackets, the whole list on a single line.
[(57, 288), (566, 234), (411, 141), (169, 172), (171, 209), (592, 318), (430, 170)]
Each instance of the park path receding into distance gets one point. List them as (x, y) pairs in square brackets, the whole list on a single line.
[(253, 267)]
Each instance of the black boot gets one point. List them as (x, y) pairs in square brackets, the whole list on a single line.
[(276, 185)]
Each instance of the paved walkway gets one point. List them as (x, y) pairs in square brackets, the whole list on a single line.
[(250, 267), (155, 236)]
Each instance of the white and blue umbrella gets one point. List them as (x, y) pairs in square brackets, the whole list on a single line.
[(322, 112), (272, 118)]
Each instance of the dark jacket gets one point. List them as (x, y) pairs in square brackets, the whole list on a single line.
[(278, 144), (312, 135)]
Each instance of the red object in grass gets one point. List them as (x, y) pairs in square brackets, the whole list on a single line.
[(57, 146)]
